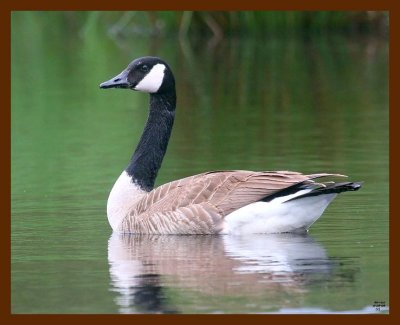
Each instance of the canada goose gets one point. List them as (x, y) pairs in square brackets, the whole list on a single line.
[(233, 201)]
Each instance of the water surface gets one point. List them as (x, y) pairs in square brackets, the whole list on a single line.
[(280, 103)]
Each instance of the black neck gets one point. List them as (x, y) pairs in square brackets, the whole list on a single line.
[(149, 153)]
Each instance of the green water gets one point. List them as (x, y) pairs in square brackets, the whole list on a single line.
[(316, 104)]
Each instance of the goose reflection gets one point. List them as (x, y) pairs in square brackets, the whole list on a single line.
[(142, 267)]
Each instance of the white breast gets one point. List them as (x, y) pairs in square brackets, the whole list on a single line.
[(123, 196)]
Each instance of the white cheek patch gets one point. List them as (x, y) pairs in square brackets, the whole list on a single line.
[(153, 80)]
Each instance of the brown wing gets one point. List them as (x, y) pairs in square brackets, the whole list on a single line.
[(197, 204)]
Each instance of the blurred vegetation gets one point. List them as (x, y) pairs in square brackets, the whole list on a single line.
[(316, 100), (232, 23)]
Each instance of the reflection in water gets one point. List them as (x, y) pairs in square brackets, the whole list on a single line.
[(143, 266), (281, 256), (147, 296)]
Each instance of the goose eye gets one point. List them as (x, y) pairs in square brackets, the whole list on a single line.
[(144, 68)]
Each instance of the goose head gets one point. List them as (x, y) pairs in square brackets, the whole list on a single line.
[(147, 74)]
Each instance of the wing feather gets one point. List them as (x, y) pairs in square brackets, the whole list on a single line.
[(198, 204)]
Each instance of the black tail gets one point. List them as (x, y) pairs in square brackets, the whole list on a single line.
[(331, 188), (318, 189)]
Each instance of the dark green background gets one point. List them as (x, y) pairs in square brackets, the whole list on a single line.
[(283, 94)]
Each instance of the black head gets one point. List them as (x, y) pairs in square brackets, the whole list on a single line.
[(148, 74)]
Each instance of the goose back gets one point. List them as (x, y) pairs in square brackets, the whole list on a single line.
[(199, 203)]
